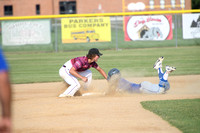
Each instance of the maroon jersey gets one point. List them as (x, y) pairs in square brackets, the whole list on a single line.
[(81, 63)]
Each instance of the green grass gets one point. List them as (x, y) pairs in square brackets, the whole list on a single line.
[(43, 67), (183, 114)]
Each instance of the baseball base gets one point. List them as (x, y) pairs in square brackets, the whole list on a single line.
[(94, 94)]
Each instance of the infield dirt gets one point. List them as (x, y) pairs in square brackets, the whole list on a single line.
[(37, 109)]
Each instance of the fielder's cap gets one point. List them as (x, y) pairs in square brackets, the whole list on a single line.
[(94, 51)]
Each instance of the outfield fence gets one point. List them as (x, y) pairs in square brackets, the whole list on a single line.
[(117, 26)]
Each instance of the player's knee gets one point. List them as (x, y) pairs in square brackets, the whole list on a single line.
[(89, 74), (78, 86)]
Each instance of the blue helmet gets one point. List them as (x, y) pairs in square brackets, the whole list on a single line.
[(112, 72)]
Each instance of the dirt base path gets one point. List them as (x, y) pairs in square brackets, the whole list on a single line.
[(37, 109)]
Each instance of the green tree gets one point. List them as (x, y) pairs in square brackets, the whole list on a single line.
[(195, 4)]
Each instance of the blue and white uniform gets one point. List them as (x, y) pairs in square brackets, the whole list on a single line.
[(129, 86), (145, 86)]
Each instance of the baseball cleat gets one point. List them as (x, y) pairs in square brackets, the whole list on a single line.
[(63, 95), (170, 69), (158, 63)]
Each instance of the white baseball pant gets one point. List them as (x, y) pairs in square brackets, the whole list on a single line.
[(72, 80)]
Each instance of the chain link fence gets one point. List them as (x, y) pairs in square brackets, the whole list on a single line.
[(117, 39)]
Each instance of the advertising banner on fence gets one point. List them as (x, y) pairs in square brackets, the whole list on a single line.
[(191, 26), (158, 27), (23, 32), (90, 29)]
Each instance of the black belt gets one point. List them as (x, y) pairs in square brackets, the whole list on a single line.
[(64, 66)]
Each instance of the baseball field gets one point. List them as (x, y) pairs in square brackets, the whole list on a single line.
[(36, 86)]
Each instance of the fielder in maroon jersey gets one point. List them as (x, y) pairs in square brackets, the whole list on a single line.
[(79, 68)]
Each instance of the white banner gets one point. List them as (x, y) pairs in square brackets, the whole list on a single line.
[(157, 27), (23, 32), (191, 26)]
